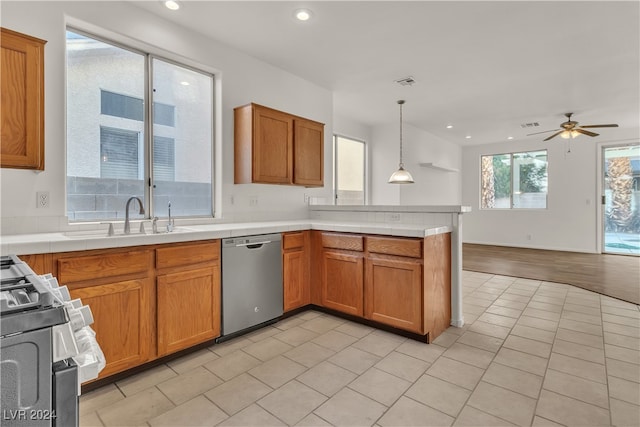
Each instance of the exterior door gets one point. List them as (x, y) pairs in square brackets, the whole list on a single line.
[(621, 199)]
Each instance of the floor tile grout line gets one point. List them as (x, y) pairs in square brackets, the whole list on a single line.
[(485, 372), (606, 370), (257, 402), (537, 400), (555, 338), (530, 299), (544, 377)]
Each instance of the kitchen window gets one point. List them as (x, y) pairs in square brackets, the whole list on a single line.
[(514, 180), (350, 170), (137, 125)]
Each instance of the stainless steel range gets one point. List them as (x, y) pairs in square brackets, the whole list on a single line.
[(36, 389)]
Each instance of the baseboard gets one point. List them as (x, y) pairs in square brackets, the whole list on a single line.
[(515, 245)]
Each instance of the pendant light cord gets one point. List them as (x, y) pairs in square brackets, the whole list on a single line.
[(401, 164)]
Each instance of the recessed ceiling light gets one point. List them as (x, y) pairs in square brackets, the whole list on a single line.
[(303, 14), (172, 5), (449, 126), (184, 83), (509, 137), (468, 136)]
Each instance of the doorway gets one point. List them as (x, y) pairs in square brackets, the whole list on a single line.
[(621, 199)]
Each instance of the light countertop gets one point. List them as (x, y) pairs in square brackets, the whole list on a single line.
[(21, 244)]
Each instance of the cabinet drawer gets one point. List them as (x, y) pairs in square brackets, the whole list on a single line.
[(177, 255), (78, 269), (293, 240), (342, 241), (393, 246)]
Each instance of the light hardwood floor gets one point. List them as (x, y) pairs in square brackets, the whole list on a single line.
[(617, 276)]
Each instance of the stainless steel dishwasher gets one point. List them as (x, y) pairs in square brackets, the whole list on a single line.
[(251, 282)]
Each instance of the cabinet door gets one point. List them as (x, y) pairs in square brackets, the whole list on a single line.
[(393, 293), (273, 145), (22, 101), (188, 308), (308, 152), (39, 263), (296, 288), (342, 282), (122, 315)]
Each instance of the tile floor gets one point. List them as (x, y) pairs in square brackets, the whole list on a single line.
[(531, 353)]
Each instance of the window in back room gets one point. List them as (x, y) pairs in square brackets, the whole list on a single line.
[(350, 171), (514, 180), (137, 125)]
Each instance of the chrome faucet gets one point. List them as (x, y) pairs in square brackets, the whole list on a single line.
[(170, 224), (127, 226)]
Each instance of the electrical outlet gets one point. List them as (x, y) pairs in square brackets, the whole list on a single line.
[(306, 198), (253, 201), (528, 236), (42, 199), (394, 217)]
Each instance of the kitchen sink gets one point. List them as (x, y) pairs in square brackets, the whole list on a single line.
[(97, 234)]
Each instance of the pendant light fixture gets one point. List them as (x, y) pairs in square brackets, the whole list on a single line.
[(401, 176)]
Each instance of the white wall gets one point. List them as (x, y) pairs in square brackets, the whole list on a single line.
[(432, 187), (570, 220), (240, 79)]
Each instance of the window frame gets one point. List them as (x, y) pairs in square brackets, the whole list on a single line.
[(511, 178), (365, 168), (148, 117)]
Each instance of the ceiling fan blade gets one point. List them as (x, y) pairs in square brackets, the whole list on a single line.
[(544, 131), (586, 132), (600, 126), (554, 135)]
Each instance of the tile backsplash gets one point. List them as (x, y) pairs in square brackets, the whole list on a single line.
[(386, 217)]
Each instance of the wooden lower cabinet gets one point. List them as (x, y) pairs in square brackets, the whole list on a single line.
[(393, 293), (39, 263), (123, 321), (188, 294), (188, 308), (147, 301), (401, 282), (118, 286), (294, 280), (342, 281), (295, 270)]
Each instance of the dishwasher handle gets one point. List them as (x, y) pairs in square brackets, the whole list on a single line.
[(253, 245)]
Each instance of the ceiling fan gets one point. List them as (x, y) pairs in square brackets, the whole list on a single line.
[(570, 129)]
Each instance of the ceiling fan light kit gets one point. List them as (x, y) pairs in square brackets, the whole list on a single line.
[(571, 129), (401, 176), (569, 134)]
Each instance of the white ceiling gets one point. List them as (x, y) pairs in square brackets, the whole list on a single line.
[(484, 67)]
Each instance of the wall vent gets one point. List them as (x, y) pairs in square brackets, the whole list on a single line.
[(529, 125), (407, 81)]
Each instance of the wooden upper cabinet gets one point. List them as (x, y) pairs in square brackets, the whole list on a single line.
[(22, 101), (273, 147), (308, 151)]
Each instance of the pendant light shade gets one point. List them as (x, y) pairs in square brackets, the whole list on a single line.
[(401, 176)]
